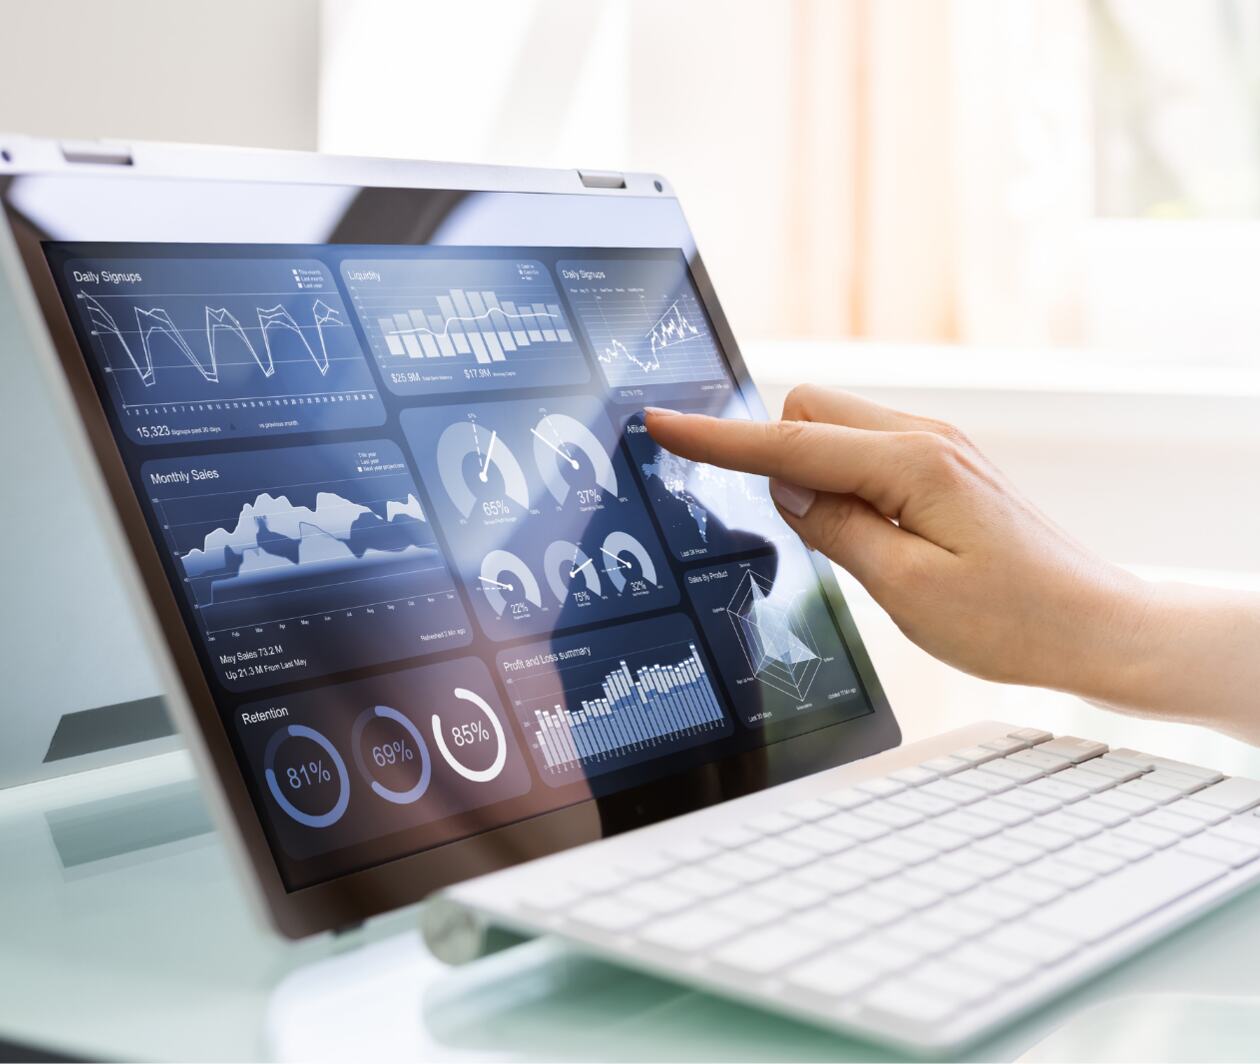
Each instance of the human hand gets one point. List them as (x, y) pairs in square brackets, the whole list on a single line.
[(966, 567)]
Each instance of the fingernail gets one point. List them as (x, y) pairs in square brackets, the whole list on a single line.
[(792, 497), (659, 411)]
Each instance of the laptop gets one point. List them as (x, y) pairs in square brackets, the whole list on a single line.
[(437, 616)]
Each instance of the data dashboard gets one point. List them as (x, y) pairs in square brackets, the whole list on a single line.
[(438, 575)]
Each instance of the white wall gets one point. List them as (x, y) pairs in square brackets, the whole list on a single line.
[(217, 72)]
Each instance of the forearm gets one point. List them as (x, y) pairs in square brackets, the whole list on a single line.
[(1180, 652)]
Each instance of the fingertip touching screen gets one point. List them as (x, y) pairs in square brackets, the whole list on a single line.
[(438, 576)]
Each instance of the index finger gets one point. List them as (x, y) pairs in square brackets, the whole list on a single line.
[(833, 458)]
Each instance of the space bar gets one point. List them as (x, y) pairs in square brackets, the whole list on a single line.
[(1104, 907)]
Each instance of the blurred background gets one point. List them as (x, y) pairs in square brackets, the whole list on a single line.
[(1037, 218)]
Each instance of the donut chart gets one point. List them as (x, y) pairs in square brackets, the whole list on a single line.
[(464, 438), (392, 753), (558, 441), (307, 774), (617, 544), (471, 735)]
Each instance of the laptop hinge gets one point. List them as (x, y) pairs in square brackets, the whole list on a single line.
[(602, 179), (97, 153)]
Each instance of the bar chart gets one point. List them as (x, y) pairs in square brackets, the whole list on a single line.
[(457, 325), (595, 706)]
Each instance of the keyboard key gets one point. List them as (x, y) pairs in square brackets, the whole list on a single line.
[(951, 791), (1126, 801), (699, 881), (1091, 781), (1128, 849), (655, 898), (1032, 801), (918, 935), (1131, 757), (883, 955), (976, 755), (689, 851), (1240, 829), (1037, 758), (1017, 853), (854, 826), (1223, 850), (945, 878), (1204, 814), (826, 876), (1032, 736), (1044, 839), (1107, 816), (772, 823), (848, 798), (1208, 775), (1074, 749), (968, 824), (904, 1001), (869, 908), (808, 810), (901, 850), (818, 839), (923, 804), (1012, 770), (1233, 795), (893, 816), (1062, 793), (983, 781), (827, 925), (945, 766), (995, 904), (1142, 832), (947, 979), (765, 951), (739, 866), (608, 915), (937, 838), (779, 853), (1096, 861), (1118, 771), (880, 787), (952, 916), (833, 975), (793, 894), (648, 866), (1032, 944), (1007, 744), (689, 933), (1140, 788), (1078, 827), (1115, 901), (1005, 968), (979, 865), (732, 838), (1029, 888), (1166, 820), (914, 776), (1001, 811), (599, 879), (861, 861), (1177, 781), (908, 892), (1065, 874), (747, 910)]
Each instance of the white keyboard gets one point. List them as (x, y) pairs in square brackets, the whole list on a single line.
[(922, 906)]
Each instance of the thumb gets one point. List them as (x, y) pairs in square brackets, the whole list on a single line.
[(851, 532)]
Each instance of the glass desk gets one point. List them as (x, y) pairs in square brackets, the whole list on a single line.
[(124, 934)]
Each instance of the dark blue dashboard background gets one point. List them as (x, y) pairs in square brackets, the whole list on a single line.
[(350, 404)]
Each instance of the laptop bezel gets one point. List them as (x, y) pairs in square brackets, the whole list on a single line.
[(354, 897)]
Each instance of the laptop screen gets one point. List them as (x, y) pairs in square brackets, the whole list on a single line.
[(438, 575)]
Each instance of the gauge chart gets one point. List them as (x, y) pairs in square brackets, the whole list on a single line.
[(646, 326), (342, 764), (601, 701), (439, 325), (545, 523), (302, 561), (197, 349)]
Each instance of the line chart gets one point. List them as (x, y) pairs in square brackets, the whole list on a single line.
[(200, 349)]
